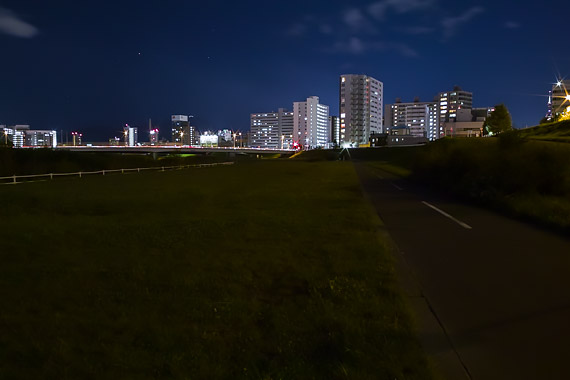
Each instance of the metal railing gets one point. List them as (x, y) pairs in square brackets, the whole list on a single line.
[(31, 177)]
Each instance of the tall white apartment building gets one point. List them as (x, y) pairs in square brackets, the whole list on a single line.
[(421, 118), (272, 129), (311, 123), (361, 108)]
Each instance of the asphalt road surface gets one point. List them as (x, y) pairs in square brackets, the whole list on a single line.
[(497, 290)]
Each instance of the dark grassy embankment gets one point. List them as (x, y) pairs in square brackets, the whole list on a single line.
[(395, 160), (528, 179), (261, 270), (42, 161), (558, 132)]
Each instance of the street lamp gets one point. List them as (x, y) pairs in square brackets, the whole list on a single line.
[(75, 136), (235, 135)]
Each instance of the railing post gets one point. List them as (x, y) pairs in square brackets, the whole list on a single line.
[(103, 172), (79, 174), (51, 176), (163, 168), (15, 178), (138, 170), (122, 171)]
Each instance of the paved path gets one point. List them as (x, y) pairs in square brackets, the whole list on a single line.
[(497, 289)]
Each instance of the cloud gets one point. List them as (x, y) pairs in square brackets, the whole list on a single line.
[(405, 50), (297, 30), (353, 46), (450, 24), (13, 25), (512, 25), (416, 30), (357, 46), (378, 9), (325, 29), (356, 20)]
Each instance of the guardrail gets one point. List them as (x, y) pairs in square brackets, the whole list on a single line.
[(30, 177)]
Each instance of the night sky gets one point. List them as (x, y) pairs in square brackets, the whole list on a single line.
[(94, 65)]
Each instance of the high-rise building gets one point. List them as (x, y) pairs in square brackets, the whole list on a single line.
[(182, 132), (131, 135), (560, 97), (311, 123), (264, 130), (41, 138), (421, 118), (21, 135), (334, 128), (153, 136), (361, 107), (286, 127), (272, 129), (452, 101)]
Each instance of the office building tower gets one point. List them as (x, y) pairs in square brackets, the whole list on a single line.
[(452, 101), (272, 130), (421, 118), (311, 123), (182, 132), (40, 138), (361, 108), (131, 135), (16, 134), (21, 135)]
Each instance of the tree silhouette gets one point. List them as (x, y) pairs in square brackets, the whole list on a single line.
[(499, 120)]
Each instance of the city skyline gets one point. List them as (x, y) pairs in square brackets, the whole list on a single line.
[(126, 63)]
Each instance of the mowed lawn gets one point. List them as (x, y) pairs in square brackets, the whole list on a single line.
[(261, 270)]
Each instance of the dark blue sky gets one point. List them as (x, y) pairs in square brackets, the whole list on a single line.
[(94, 65)]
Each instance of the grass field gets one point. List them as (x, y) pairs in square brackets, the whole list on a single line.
[(45, 161), (261, 270)]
